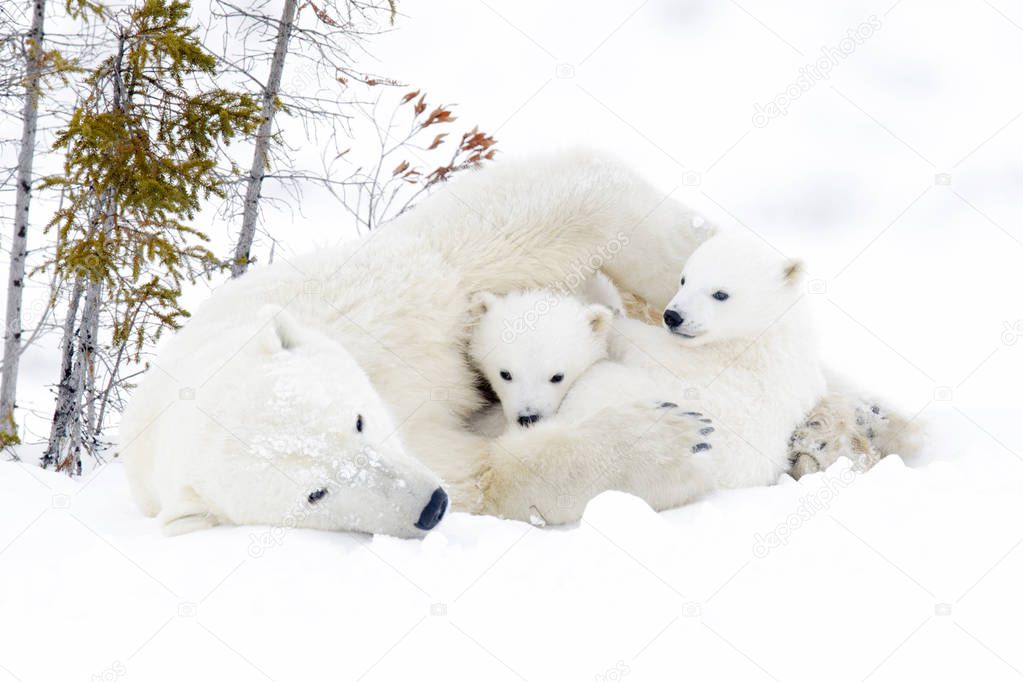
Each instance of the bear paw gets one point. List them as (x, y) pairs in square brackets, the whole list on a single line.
[(690, 420), (871, 419), (837, 428)]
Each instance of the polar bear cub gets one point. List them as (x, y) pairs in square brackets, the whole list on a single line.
[(738, 342), (532, 346), (736, 353)]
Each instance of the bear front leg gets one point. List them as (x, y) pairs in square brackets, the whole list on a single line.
[(546, 474)]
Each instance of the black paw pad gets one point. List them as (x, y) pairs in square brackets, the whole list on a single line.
[(700, 447), (707, 430), (667, 404)]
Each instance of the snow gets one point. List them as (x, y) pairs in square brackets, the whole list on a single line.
[(903, 572), (897, 178)]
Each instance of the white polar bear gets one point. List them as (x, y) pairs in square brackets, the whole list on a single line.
[(531, 346), (740, 357), (342, 405)]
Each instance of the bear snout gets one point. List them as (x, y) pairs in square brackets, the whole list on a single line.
[(434, 510), (527, 419), (672, 318)]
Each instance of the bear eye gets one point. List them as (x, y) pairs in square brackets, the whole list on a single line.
[(317, 495), (720, 296), (358, 425), (506, 375), (682, 283), (556, 379)]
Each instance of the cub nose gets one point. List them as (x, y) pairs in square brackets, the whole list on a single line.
[(527, 419), (434, 510), (672, 318)]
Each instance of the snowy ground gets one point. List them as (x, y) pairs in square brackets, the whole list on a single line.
[(901, 573), (897, 178)]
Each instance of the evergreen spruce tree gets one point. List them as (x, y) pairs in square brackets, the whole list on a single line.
[(142, 151)]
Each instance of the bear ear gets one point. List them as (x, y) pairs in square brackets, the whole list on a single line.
[(279, 330), (186, 515), (480, 303), (599, 317), (187, 524), (793, 271)]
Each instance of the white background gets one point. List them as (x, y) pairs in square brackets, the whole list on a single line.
[(897, 179)]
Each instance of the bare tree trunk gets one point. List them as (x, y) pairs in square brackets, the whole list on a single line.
[(105, 396), (65, 386), (70, 430), (19, 244), (89, 393), (83, 375), (258, 170), (72, 427)]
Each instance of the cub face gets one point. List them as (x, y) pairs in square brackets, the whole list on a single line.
[(533, 345), (731, 287)]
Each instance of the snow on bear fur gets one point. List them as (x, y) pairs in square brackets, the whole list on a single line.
[(331, 391), (738, 355), (267, 420)]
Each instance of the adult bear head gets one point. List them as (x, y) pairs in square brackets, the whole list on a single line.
[(286, 432)]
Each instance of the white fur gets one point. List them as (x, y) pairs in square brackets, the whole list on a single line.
[(242, 426), (600, 289), (247, 410), (747, 371), (531, 346), (750, 363)]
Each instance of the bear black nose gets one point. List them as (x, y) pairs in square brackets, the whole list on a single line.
[(672, 318), (527, 419), (434, 510)]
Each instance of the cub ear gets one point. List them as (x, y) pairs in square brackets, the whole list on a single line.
[(480, 303), (599, 317), (793, 271), (279, 330)]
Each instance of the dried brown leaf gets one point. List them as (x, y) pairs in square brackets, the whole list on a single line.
[(437, 141)]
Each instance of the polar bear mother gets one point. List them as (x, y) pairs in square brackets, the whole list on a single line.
[(331, 391)]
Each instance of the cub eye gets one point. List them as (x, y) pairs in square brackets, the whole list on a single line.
[(682, 283), (358, 425), (556, 379), (720, 296), (317, 495), (506, 375)]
